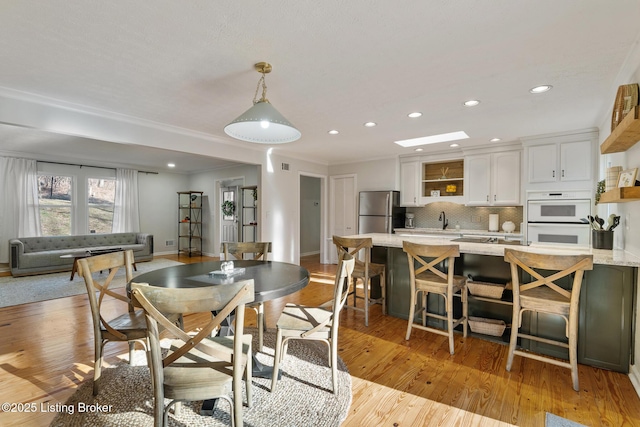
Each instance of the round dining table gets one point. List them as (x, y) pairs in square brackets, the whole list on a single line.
[(272, 279)]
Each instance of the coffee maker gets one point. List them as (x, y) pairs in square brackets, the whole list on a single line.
[(409, 221)]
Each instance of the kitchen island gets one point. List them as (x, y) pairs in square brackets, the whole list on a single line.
[(605, 331)]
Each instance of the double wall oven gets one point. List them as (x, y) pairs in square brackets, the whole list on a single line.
[(558, 218)]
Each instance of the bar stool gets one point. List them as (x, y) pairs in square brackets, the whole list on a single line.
[(426, 279), (259, 251), (542, 295), (360, 248)]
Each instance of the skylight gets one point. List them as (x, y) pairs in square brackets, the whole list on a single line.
[(433, 139)]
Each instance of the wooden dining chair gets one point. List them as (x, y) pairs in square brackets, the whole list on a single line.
[(259, 251), (364, 270), (129, 327), (299, 322), (197, 366), (426, 278), (542, 295)]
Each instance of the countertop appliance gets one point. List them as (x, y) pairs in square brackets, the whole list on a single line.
[(558, 217), (409, 221), (380, 212)]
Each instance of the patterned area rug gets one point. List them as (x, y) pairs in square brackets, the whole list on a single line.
[(43, 287), (303, 396)]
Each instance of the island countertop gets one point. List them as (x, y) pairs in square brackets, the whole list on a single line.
[(600, 256)]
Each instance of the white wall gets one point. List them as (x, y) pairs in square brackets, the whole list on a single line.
[(627, 235), (381, 174)]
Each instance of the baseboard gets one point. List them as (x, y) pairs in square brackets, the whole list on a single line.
[(310, 253), (634, 376)]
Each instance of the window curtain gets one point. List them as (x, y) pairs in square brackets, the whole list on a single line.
[(19, 214), (126, 212)]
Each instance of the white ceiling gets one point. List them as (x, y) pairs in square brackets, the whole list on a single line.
[(336, 64)]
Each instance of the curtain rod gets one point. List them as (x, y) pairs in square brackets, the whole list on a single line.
[(88, 166)]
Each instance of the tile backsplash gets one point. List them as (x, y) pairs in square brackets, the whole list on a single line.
[(469, 217)]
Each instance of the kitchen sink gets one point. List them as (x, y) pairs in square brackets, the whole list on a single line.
[(489, 240)]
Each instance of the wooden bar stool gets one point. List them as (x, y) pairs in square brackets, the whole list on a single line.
[(360, 249), (426, 279), (542, 295)]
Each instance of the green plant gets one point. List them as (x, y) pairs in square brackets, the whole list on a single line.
[(599, 190), (228, 208), (254, 193)]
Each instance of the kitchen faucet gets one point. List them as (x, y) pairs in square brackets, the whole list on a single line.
[(443, 218)]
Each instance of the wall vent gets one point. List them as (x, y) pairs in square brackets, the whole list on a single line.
[(170, 243), (285, 166)]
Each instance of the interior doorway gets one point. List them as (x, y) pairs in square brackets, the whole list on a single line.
[(311, 216), (229, 205)]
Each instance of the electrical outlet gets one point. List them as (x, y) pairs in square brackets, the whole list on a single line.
[(627, 219)]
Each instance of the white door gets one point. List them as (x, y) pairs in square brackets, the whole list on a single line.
[(343, 209), (543, 160), (575, 161), (229, 223), (505, 169), (409, 184), (477, 179)]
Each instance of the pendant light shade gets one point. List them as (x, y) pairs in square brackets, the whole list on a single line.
[(262, 123)]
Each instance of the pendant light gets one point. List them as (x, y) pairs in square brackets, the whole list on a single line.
[(262, 123)]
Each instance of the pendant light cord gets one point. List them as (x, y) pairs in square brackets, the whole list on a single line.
[(264, 91)]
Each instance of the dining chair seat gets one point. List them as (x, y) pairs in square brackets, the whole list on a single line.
[(297, 322)]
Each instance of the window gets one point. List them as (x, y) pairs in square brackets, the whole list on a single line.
[(56, 203), (101, 200)]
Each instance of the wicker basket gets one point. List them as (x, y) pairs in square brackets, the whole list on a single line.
[(492, 327), (486, 289)]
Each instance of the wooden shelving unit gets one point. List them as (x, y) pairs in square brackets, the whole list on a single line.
[(623, 137), (432, 178), (190, 222)]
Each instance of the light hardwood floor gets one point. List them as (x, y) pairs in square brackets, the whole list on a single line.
[(46, 351)]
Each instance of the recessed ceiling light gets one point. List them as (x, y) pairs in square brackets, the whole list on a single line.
[(454, 145), (433, 139), (334, 132), (540, 89), (419, 149), (370, 124), (414, 114), (171, 165), (495, 139), (471, 103)]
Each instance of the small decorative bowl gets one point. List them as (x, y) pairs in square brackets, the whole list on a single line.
[(508, 226)]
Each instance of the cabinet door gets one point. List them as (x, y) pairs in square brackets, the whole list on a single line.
[(477, 180), (505, 170), (409, 183), (543, 160), (575, 161)]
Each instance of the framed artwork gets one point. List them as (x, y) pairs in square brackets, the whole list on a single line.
[(435, 193), (627, 178)]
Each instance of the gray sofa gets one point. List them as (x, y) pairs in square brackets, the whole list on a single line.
[(37, 255)]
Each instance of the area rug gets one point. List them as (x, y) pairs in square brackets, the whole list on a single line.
[(552, 420), (303, 396), (42, 287)]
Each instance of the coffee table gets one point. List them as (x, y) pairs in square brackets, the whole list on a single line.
[(87, 254)]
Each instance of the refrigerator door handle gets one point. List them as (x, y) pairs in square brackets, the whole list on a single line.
[(387, 224)]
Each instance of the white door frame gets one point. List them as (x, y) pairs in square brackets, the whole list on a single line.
[(332, 218), (218, 210), (323, 213)]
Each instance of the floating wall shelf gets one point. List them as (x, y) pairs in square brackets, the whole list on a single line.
[(625, 135)]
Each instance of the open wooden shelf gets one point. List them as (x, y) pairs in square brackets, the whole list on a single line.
[(625, 135), (620, 195)]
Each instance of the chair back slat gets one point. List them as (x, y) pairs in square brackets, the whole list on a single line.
[(561, 266), (88, 267), (223, 299), (358, 248), (429, 256), (259, 250)]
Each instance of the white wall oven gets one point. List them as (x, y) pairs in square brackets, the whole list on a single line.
[(558, 218)]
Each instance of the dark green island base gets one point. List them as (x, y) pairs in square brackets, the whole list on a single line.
[(605, 331)]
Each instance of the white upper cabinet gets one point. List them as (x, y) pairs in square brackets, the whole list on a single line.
[(567, 161), (493, 179), (410, 183)]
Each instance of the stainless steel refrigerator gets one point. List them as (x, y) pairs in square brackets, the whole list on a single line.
[(379, 212)]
